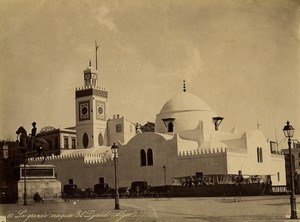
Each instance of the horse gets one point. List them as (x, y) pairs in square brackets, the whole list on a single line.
[(38, 144)]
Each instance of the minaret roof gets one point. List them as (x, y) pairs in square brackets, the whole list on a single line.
[(90, 69)]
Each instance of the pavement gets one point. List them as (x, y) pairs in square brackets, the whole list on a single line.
[(203, 209)]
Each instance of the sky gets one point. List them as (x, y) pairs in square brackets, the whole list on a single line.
[(240, 56)]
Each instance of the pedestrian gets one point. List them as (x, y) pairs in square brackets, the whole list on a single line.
[(37, 198)]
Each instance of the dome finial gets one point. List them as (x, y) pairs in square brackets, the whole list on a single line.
[(184, 88)]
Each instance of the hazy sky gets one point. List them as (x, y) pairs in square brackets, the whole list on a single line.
[(241, 57)]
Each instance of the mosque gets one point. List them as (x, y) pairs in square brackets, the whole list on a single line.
[(187, 140)]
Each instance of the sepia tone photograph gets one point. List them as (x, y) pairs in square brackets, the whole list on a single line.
[(149, 110)]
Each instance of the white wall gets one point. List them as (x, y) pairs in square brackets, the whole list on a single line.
[(248, 162)]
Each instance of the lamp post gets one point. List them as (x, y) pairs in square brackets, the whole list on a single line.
[(288, 131), (165, 176), (23, 151), (114, 150), (25, 189)]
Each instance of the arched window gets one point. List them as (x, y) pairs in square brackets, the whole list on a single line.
[(66, 142), (143, 157), (85, 140), (170, 127), (100, 139), (150, 157)]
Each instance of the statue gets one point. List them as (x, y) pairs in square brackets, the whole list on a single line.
[(32, 143), (32, 135)]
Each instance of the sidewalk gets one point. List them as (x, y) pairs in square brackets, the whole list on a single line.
[(262, 208)]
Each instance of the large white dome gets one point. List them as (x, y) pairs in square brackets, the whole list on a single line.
[(185, 110), (185, 102)]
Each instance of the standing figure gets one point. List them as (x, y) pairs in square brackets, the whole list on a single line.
[(32, 135)]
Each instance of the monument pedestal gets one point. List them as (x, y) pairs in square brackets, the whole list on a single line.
[(39, 179)]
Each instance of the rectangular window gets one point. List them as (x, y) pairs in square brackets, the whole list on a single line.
[(278, 176), (66, 142), (259, 155), (119, 128), (299, 155), (73, 143)]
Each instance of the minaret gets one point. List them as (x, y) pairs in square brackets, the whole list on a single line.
[(90, 76), (91, 111)]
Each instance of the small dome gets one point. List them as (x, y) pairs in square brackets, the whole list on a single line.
[(185, 102)]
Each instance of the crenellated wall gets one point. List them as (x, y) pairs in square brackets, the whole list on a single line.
[(90, 87), (87, 158), (201, 152)]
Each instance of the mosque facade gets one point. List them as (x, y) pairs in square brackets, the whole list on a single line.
[(186, 140)]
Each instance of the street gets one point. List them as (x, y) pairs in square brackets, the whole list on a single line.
[(258, 208)]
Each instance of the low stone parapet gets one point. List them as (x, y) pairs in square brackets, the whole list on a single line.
[(39, 179)]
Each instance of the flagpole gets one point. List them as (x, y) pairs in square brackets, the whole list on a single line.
[(96, 47)]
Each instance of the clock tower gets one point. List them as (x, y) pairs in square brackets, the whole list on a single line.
[(91, 111)]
